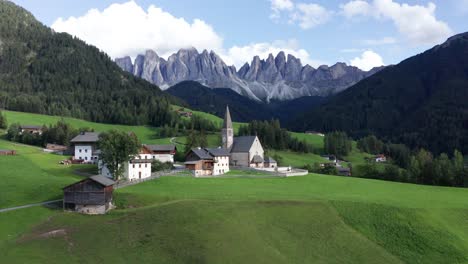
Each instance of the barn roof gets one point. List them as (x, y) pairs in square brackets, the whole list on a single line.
[(102, 180), (169, 147), (86, 137), (243, 144)]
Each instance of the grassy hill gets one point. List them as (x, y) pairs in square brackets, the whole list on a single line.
[(316, 218)]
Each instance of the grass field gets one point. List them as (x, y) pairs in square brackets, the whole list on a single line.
[(310, 219)]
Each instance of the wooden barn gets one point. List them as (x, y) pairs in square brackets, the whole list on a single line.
[(7, 152), (89, 196)]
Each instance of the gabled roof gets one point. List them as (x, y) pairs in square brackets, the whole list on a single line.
[(270, 160), (161, 147), (257, 159), (202, 153), (243, 144), (218, 152), (86, 137), (102, 180)]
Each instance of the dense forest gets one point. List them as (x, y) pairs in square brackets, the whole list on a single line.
[(45, 72), (421, 102), (273, 136)]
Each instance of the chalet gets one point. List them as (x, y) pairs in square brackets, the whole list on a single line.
[(208, 161), (163, 153), (30, 129), (139, 167), (380, 158), (270, 163), (246, 151), (7, 152), (184, 113), (89, 196), (85, 145)]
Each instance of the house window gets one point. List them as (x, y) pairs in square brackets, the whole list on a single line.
[(140, 166), (133, 165), (86, 158), (80, 158), (86, 150), (146, 165), (80, 150)]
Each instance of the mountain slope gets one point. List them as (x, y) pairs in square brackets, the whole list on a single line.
[(423, 101), (243, 109), (53, 73), (276, 78)]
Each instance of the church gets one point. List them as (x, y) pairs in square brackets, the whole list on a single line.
[(246, 151)]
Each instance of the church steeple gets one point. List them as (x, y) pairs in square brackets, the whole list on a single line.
[(227, 132)]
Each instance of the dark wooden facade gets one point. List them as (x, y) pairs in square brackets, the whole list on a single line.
[(88, 192), (7, 152)]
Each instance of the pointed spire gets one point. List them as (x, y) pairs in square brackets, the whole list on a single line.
[(227, 119)]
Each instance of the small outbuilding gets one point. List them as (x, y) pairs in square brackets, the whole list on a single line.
[(92, 195), (270, 163)]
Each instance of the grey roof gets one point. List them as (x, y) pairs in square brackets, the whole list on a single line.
[(217, 152), (86, 137), (227, 119), (257, 159), (242, 144), (161, 147), (30, 127), (270, 160), (202, 153), (102, 180)]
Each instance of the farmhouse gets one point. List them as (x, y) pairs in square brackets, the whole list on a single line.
[(315, 133), (163, 153), (208, 161), (54, 148), (30, 129), (246, 151), (7, 152), (85, 145), (89, 196), (139, 167), (380, 158)]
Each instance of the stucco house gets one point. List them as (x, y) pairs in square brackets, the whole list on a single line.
[(208, 161), (85, 145), (163, 153), (139, 167)]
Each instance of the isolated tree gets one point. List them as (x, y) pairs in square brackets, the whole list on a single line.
[(117, 148)]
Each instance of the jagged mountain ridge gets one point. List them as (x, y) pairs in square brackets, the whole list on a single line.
[(276, 78)]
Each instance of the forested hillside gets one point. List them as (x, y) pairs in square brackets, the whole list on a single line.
[(422, 102), (53, 73)]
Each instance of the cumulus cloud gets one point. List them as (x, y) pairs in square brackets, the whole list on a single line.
[(305, 15), (367, 60), (239, 55), (127, 29), (416, 22)]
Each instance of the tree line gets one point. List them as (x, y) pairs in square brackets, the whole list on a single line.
[(273, 136)]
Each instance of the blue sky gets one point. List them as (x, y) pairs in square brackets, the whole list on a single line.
[(358, 32)]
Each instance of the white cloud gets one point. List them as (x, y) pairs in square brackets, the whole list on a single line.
[(127, 29), (367, 61), (356, 8), (239, 55), (305, 15), (416, 22), (379, 42), (310, 15)]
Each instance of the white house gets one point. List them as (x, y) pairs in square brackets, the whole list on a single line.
[(85, 145), (208, 161), (163, 153), (136, 169), (380, 158)]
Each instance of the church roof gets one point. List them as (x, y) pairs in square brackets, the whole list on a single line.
[(257, 159), (243, 144), (227, 119)]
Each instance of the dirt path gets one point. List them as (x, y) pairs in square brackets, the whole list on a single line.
[(27, 206)]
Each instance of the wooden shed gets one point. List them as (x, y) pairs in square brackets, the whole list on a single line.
[(89, 196)]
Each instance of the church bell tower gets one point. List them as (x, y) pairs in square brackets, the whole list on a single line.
[(227, 132)]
